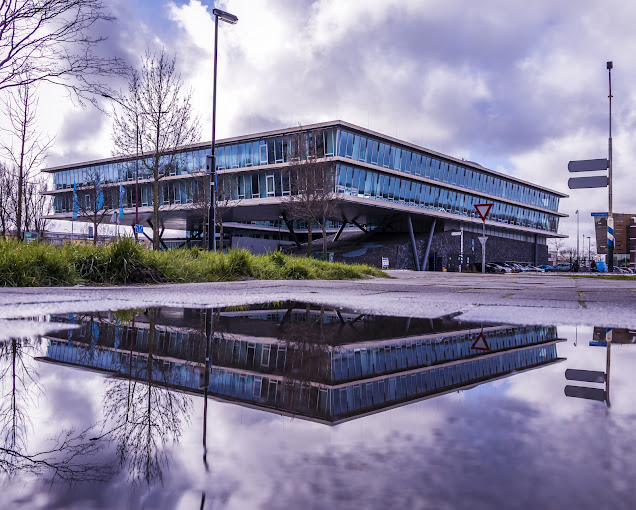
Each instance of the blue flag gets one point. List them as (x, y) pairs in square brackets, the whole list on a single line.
[(75, 204), (121, 200), (99, 201)]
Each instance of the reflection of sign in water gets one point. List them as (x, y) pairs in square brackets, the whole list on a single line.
[(481, 344)]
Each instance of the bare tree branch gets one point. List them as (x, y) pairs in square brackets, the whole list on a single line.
[(54, 41)]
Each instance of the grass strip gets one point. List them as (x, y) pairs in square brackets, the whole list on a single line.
[(43, 265)]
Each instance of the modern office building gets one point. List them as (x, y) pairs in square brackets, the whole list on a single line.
[(624, 238), (383, 185), (301, 360)]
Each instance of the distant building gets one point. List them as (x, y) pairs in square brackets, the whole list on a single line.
[(624, 238), (386, 185)]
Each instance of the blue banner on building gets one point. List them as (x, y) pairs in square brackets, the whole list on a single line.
[(121, 200), (99, 193), (75, 204)]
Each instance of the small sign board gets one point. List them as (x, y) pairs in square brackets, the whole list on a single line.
[(483, 210), (588, 165), (598, 181), (480, 344), (600, 214), (385, 262), (139, 229)]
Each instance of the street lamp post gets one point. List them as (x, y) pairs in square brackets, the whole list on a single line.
[(136, 160), (577, 238), (231, 19), (610, 217)]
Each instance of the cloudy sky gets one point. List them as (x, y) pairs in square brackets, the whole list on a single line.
[(521, 90)]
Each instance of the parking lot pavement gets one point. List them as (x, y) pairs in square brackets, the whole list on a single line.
[(514, 298)]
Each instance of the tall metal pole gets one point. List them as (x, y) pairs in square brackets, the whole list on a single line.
[(212, 212), (136, 176), (610, 218), (577, 238)]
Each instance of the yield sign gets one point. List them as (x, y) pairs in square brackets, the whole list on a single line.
[(480, 344), (483, 210)]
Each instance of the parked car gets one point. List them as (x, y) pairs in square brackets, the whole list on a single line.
[(560, 268), (512, 268), (491, 267), (623, 270), (545, 267)]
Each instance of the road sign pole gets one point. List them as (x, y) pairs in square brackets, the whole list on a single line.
[(461, 248), (483, 248), (610, 220)]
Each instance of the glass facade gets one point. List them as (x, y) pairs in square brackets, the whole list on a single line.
[(388, 188), (375, 152), (429, 182)]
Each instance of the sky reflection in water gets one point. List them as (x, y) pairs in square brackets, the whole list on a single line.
[(375, 425)]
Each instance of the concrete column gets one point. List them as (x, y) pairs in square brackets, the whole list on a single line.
[(413, 245), (428, 245)]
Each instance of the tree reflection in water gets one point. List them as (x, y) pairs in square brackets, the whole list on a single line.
[(143, 415), (69, 456)]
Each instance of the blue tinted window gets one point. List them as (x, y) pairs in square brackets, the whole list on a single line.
[(356, 147), (329, 142), (241, 155), (349, 151), (374, 152), (342, 143), (270, 151), (263, 152), (397, 158)]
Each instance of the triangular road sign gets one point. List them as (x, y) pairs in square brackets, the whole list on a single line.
[(481, 344), (483, 210)]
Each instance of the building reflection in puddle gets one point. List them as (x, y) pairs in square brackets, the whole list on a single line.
[(311, 362)]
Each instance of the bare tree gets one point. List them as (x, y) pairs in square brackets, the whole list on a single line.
[(28, 145), (92, 201), (165, 120), (556, 244), (55, 41), (37, 205), (313, 196), (7, 199)]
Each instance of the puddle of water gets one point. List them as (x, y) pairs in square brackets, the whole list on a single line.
[(289, 405)]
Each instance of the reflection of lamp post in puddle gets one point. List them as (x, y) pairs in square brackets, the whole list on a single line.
[(592, 376)]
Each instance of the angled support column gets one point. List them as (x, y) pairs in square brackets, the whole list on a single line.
[(291, 230), (428, 245), (344, 224), (359, 226), (413, 245)]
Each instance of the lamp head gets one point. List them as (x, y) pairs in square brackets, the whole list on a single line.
[(225, 16), (610, 65)]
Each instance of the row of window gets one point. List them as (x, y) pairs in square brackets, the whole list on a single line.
[(266, 151), (320, 143), (357, 397), (374, 152), (171, 193), (349, 180), (365, 183), (350, 365)]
